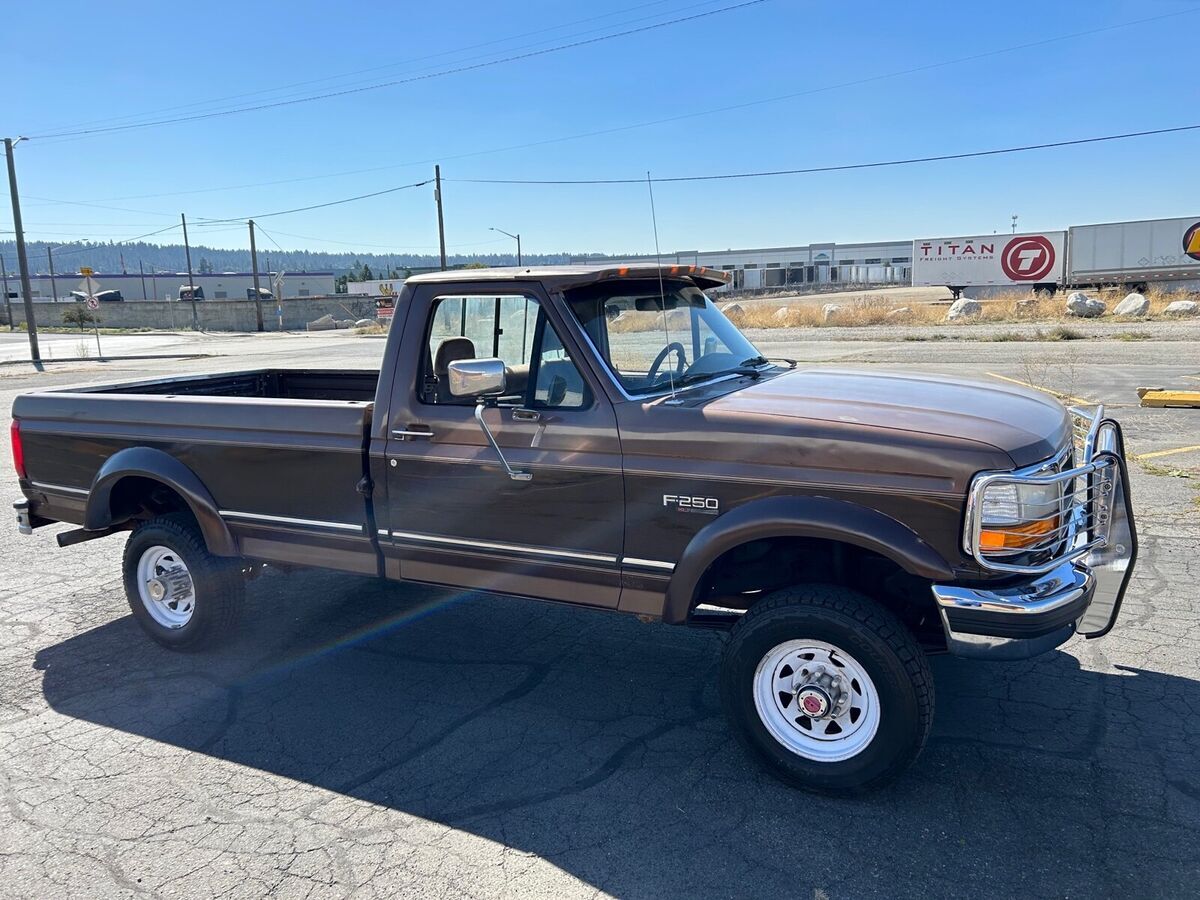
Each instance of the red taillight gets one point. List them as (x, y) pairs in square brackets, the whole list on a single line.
[(18, 450)]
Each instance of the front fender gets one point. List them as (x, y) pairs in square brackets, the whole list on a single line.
[(155, 465), (815, 517)]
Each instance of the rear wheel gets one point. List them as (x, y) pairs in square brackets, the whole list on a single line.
[(181, 595), (828, 690)]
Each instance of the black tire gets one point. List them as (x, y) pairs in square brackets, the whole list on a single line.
[(220, 589), (880, 644)]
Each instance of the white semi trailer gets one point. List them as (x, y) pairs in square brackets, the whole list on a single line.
[(1134, 254), (1033, 260)]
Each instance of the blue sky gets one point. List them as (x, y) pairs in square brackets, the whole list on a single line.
[(129, 59)]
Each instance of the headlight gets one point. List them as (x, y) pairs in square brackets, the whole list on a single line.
[(1016, 516)]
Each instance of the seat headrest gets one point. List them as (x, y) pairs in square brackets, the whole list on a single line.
[(452, 350)]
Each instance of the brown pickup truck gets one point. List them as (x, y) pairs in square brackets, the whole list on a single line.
[(607, 438)]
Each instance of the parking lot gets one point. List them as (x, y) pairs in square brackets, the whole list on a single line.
[(373, 739)]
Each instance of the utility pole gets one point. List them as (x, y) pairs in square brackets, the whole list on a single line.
[(22, 261), (142, 272), (254, 268), (187, 251), (7, 299), (437, 194), (53, 283)]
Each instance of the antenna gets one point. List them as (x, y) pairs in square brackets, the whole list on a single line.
[(662, 294)]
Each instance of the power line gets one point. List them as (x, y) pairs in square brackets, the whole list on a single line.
[(123, 241), (707, 113), (202, 220), (423, 77), (341, 75), (837, 168)]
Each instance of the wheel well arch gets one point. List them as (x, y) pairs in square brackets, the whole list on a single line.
[(804, 538), (741, 576), (142, 480)]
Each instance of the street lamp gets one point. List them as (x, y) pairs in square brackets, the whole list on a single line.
[(515, 237)]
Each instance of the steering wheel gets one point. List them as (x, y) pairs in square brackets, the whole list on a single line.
[(662, 355)]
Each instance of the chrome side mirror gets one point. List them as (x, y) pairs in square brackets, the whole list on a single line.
[(485, 380), (476, 377)]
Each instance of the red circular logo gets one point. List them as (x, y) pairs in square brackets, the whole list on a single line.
[(1027, 258), (812, 704), (1191, 241)]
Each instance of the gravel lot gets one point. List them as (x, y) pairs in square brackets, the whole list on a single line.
[(384, 740)]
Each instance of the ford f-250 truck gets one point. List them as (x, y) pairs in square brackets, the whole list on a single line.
[(607, 438)]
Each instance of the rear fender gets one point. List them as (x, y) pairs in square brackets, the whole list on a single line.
[(812, 517), (155, 465)]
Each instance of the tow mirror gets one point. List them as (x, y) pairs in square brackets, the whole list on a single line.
[(476, 377), (485, 380)]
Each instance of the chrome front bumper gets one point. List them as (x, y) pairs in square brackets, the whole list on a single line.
[(1080, 593), (1017, 621)]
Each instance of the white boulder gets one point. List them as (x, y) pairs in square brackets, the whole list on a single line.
[(1133, 305), (325, 323), (1085, 307), (1182, 308), (783, 315), (364, 323), (963, 308), (898, 313), (829, 311), (732, 309)]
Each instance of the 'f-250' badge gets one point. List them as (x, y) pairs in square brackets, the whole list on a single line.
[(707, 506)]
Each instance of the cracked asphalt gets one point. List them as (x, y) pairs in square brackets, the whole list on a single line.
[(387, 740)]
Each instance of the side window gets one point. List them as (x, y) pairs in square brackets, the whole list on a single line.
[(511, 328)]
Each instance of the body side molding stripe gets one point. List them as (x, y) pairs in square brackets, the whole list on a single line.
[(288, 520), (648, 564), (59, 488), (492, 545)]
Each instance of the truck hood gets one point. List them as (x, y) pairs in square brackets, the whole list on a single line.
[(1026, 425)]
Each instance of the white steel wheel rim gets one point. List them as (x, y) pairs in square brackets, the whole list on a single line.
[(783, 695), (165, 587)]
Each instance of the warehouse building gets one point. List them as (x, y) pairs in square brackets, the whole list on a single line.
[(880, 263), (167, 285)]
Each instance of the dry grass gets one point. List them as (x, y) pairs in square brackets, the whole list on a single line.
[(1008, 307)]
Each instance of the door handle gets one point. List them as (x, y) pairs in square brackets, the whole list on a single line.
[(526, 415), (412, 433)]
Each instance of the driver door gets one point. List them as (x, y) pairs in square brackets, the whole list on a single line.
[(453, 516)]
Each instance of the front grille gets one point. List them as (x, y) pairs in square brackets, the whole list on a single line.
[(1075, 521)]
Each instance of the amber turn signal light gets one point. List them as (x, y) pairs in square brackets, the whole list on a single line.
[(1017, 537)]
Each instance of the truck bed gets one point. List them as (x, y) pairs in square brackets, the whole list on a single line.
[(281, 452)]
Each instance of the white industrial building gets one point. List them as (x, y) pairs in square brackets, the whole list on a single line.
[(883, 262), (166, 285)]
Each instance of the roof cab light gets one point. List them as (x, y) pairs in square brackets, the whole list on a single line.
[(18, 452)]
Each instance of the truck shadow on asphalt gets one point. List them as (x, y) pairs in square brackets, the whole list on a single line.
[(597, 743)]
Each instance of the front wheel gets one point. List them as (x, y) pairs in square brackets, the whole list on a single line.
[(182, 596), (828, 690)]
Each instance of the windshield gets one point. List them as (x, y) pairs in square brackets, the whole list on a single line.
[(655, 340)]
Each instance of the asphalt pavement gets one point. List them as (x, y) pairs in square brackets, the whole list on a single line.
[(370, 739)]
